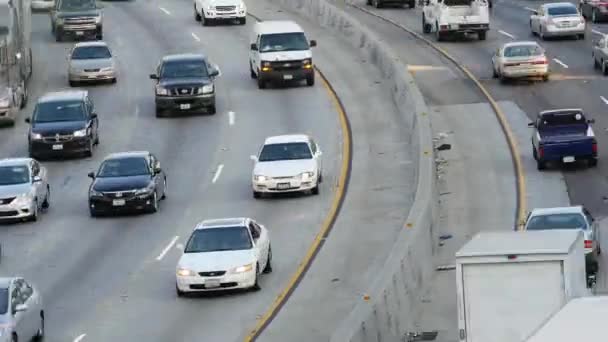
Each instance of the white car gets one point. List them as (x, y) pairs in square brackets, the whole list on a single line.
[(224, 254), (287, 163), (24, 189), (557, 19), (519, 60), (21, 311), (210, 11)]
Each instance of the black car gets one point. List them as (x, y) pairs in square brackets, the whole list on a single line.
[(63, 123), (127, 181), (185, 83)]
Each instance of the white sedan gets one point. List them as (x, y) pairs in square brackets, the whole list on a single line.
[(287, 163), (557, 19), (519, 60), (224, 254), (24, 189)]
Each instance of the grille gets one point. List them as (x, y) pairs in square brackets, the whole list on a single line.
[(286, 65), (58, 138), (119, 194), (225, 8), (184, 91), (91, 70), (212, 274), (79, 21), (7, 200), (8, 213), (288, 177)]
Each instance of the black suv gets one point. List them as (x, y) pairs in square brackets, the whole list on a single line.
[(63, 123), (184, 83)]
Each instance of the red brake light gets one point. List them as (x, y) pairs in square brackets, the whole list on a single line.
[(588, 244), (594, 147), (541, 61), (541, 152)]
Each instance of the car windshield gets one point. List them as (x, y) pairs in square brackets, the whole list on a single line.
[(288, 151), (10, 175), (91, 52), (295, 41), (523, 51), (179, 69), (59, 111), (557, 221), (219, 239), (562, 10), (77, 5), (124, 167), (3, 300)]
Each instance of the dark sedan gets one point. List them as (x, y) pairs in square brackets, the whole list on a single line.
[(127, 182), (63, 123), (185, 84)]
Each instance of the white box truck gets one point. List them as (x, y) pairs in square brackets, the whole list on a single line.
[(510, 282), (582, 319)]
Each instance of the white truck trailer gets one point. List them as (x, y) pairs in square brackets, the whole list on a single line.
[(509, 283), (582, 319)]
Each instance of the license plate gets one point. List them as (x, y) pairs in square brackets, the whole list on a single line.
[(568, 159), (58, 147), (79, 33), (118, 202), (212, 283), (184, 106), (288, 77), (91, 76), (283, 186)]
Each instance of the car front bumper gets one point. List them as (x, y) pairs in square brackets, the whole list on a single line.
[(79, 31), (286, 75), (14, 211), (51, 148), (555, 31), (219, 15), (103, 204), (229, 281), (7, 115), (91, 76), (294, 184), (185, 103)]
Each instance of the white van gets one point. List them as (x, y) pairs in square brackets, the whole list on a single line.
[(210, 11), (280, 51)]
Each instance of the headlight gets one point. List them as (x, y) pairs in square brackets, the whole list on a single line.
[(185, 272), (206, 89), (307, 64), (146, 191), (35, 136), (80, 133), (4, 102), (98, 19), (23, 200), (161, 91), (259, 178), (266, 64), (307, 175), (242, 269), (95, 193)]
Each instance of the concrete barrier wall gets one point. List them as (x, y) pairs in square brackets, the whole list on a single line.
[(393, 305)]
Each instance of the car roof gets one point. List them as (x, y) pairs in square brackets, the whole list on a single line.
[(5, 282), (63, 95), (14, 161), (559, 4), (222, 223), (184, 57), (91, 43), (277, 26), (578, 209), (287, 138), (519, 43), (128, 154)]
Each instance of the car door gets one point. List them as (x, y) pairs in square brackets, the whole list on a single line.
[(593, 226), (496, 60), (157, 177), (602, 50), (255, 55), (31, 315), (535, 133), (316, 152), (263, 241), (19, 318), (259, 248), (39, 187), (93, 122)]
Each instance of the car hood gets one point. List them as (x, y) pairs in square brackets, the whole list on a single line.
[(97, 63), (121, 183), (14, 190), (77, 13), (60, 127), (225, 2), (185, 81), (284, 168), (216, 261), (285, 55)]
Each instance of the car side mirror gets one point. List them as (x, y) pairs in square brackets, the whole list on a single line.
[(534, 12), (93, 115), (157, 170), (36, 179), (254, 158), (20, 308), (591, 121), (153, 77), (313, 43), (28, 120), (91, 175), (215, 72), (253, 47), (531, 124), (319, 153)]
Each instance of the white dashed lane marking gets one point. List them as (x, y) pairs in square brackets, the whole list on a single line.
[(560, 63), (164, 10), (167, 248)]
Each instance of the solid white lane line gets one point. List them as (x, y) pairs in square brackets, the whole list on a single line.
[(506, 34), (218, 173), (530, 9), (166, 250), (604, 99), (195, 36), (231, 118), (164, 10), (80, 338), (560, 63)]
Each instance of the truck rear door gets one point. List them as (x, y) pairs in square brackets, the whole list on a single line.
[(505, 302)]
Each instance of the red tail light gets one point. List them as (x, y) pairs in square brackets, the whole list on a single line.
[(594, 147), (541, 61), (541, 152), (588, 244)]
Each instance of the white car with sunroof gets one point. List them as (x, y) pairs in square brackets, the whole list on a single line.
[(287, 163)]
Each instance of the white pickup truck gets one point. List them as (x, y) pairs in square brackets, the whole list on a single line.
[(447, 17)]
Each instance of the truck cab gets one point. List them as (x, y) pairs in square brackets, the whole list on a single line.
[(76, 19), (563, 135), (449, 17)]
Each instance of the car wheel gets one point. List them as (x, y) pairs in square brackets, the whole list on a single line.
[(426, 28), (594, 16), (494, 73), (211, 109), (24, 97), (89, 152), (412, 4), (599, 249), (251, 72), (242, 21), (197, 15), (315, 190), (596, 65), (14, 339), (438, 33), (40, 332), (73, 83), (205, 21), (268, 268), (546, 78), (261, 83), (540, 165), (154, 205), (257, 194), (592, 162), (482, 35), (320, 177), (581, 36), (256, 286), (164, 189), (541, 33), (113, 80), (160, 113), (179, 292), (604, 68), (47, 200), (34, 216), (58, 36), (93, 212), (310, 80)]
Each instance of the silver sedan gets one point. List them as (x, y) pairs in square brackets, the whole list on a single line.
[(21, 311), (557, 19), (91, 62), (520, 60), (24, 189)]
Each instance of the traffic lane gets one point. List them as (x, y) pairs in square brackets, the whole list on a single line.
[(290, 110)]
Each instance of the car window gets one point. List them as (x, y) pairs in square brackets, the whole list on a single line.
[(75, 5), (563, 119), (313, 146), (90, 105), (59, 111), (254, 230), (588, 216), (556, 221), (287, 151), (523, 50), (91, 52), (10, 175), (4, 300), (293, 41), (184, 68), (562, 10), (153, 162), (219, 239), (124, 167)]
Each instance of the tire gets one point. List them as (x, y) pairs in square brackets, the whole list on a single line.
[(242, 21), (40, 333), (540, 165), (251, 72), (179, 292), (211, 109), (377, 3), (581, 36), (494, 73), (73, 83), (197, 16), (368, 2), (310, 80), (160, 113), (58, 36), (320, 177), (257, 194), (412, 4), (546, 78), (256, 286), (502, 78), (604, 68), (155, 206), (541, 33), (482, 35), (164, 197), (34, 216), (47, 200), (89, 152), (261, 83), (93, 212), (205, 21), (438, 33), (14, 338), (426, 28), (268, 268), (315, 190), (99, 36), (113, 80), (596, 65), (24, 97), (594, 16), (599, 249), (97, 139), (592, 162)]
